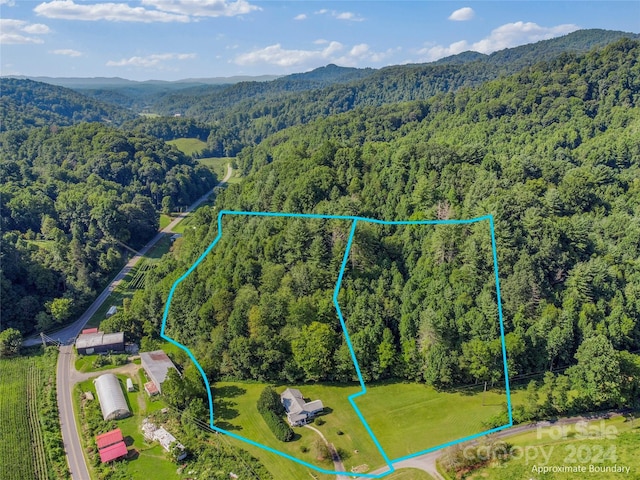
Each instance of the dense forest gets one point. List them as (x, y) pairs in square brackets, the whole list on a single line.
[(551, 152), (27, 104), (71, 197), (246, 113)]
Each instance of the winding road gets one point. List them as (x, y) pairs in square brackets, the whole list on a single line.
[(66, 376)]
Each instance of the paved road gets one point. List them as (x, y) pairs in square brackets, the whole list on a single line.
[(70, 332), (427, 462), (67, 376), (70, 436)]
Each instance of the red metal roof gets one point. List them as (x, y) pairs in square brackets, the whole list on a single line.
[(105, 439), (90, 330), (113, 452), (151, 388)]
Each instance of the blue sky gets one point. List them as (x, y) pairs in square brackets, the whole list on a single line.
[(174, 39)]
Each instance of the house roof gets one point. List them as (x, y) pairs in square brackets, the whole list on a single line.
[(294, 403), (109, 438), (90, 330), (151, 388), (113, 452)]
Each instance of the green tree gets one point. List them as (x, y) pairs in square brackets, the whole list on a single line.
[(10, 342), (313, 350)]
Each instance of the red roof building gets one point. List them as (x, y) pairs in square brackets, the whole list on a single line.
[(89, 330), (113, 452), (106, 439)]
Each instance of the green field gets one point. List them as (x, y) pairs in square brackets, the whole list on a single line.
[(26, 383), (410, 417), (217, 164), (620, 446), (165, 220), (188, 146), (405, 418)]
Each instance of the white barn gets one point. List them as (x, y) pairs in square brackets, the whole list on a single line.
[(112, 401)]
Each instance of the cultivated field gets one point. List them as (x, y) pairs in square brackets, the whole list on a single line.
[(27, 392)]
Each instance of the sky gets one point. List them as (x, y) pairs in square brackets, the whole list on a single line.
[(176, 39)]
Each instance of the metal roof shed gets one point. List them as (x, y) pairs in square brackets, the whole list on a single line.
[(112, 401), (157, 364)]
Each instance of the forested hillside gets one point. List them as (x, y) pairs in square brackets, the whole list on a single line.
[(28, 104), (70, 198), (245, 114), (551, 152)]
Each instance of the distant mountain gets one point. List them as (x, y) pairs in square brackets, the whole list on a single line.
[(246, 113), (25, 104)]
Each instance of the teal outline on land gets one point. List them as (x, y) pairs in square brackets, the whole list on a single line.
[(355, 220)]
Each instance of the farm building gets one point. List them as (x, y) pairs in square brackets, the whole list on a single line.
[(89, 330), (130, 387), (156, 364), (153, 433), (111, 398), (298, 411), (111, 446), (99, 342)]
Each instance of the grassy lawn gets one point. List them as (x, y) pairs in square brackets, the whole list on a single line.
[(164, 220), (188, 146), (405, 418), (84, 363), (235, 410), (410, 417), (619, 447), (409, 474), (151, 461)]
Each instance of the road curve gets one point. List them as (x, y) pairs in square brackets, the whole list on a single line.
[(70, 332)]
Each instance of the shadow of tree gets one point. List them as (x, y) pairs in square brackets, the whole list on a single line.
[(128, 440), (229, 391)]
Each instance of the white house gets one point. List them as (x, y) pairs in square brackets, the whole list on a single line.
[(298, 411)]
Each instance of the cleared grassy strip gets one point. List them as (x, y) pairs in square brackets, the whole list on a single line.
[(410, 417), (188, 146), (217, 164), (39, 455)]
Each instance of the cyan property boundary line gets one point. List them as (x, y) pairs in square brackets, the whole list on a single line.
[(355, 220)]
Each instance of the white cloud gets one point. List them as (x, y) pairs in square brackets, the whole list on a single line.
[(302, 16), (462, 14), (13, 31), (333, 52), (150, 61), (320, 41), (354, 17), (115, 12), (68, 52), (8, 3), (506, 36), (203, 8)]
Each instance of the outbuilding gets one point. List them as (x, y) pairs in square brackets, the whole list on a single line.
[(111, 398), (100, 342), (156, 364)]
